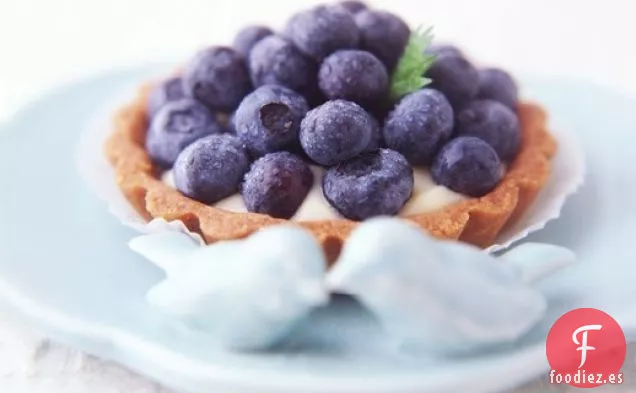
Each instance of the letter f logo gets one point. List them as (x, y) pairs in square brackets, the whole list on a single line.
[(583, 343)]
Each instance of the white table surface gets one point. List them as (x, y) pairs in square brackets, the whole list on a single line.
[(45, 43)]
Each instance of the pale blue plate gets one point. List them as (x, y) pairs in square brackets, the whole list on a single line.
[(65, 266)]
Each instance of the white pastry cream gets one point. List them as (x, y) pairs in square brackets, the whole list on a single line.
[(427, 197)]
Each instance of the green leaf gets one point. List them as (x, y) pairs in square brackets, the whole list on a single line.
[(409, 73)]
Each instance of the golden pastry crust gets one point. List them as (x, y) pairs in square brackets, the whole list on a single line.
[(477, 221)]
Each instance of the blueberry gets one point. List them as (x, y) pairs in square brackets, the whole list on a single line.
[(377, 140), (496, 84), (419, 125), (269, 119), (455, 77), (383, 34), (166, 91), (373, 184), (211, 168), (469, 166), (494, 123), (218, 78), (277, 184), (248, 37), (176, 125), (353, 6), (336, 131), (322, 30), (444, 49), (276, 61), (353, 75)]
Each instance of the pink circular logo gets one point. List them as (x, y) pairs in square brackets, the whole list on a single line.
[(586, 348)]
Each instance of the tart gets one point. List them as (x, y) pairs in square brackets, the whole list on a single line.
[(468, 119)]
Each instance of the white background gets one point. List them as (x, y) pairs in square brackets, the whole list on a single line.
[(44, 43)]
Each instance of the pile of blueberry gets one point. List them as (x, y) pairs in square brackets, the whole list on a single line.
[(254, 117)]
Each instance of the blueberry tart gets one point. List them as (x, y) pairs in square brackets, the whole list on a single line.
[(345, 115)]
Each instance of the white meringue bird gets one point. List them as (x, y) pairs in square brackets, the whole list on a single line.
[(247, 293), (443, 297)]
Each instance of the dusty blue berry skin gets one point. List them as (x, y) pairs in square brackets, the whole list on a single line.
[(275, 61), (336, 131), (494, 123), (277, 184), (496, 84), (353, 6), (372, 184), (211, 168), (322, 30), (217, 77), (166, 91), (419, 125), (249, 36), (455, 77), (175, 126), (469, 166), (384, 34), (268, 119), (353, 75)]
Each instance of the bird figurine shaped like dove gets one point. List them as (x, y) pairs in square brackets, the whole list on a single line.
[(443, 297), (246, 293)]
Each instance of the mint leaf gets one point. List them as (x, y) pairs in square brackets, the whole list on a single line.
[(408, 75)]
